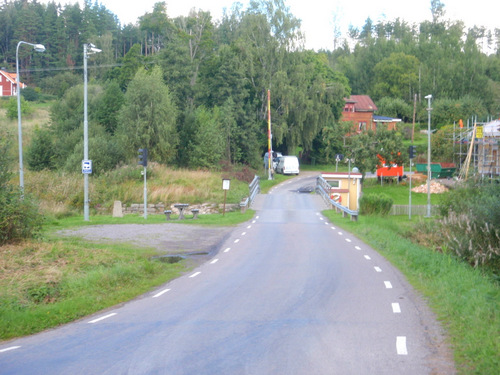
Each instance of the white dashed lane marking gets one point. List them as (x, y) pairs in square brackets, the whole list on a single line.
[(377, 269), (401, 345), (102, 318), (214, 261), (161, 293), (194, 274), (9, 348), (388, 284), (396, 309)]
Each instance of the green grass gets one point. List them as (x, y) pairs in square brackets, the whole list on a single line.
[(400, 193), (465, 300), (228, 219), (54, 282)]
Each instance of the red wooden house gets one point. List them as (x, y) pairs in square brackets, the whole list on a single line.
[(360, 109), (8, 85)]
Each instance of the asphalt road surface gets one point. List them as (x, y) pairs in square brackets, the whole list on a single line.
[(286, 293)]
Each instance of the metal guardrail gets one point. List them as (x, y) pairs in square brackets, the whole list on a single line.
[(254, 189), (323, 188)]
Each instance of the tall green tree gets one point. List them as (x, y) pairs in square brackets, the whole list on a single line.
[(148, 117)]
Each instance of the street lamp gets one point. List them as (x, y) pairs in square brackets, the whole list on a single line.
[(38, 48), (429, 109), (88, 49)]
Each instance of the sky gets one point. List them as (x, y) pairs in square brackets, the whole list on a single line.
[(317, 15)]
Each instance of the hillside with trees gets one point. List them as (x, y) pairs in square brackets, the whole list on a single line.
[(193, 90)]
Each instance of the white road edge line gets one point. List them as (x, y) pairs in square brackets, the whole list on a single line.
[(401, 345), (195, 274), (388, 284), (102, 318), (161, 293), (396, 309), (10, 348)]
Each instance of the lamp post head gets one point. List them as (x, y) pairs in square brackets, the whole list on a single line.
[(39, 47), (428, 97)]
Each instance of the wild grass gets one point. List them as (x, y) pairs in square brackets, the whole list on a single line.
[(61, 194), (45, 284), (465, 300)]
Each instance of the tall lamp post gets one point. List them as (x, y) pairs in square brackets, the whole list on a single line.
[(38, 48), (88, 49), (429, 174)]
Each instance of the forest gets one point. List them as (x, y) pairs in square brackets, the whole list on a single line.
[(193, 90)]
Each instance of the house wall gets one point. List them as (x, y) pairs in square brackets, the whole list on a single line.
[(7, 87), (360, 118)]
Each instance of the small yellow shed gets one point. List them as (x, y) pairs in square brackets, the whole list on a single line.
[(345, 188)]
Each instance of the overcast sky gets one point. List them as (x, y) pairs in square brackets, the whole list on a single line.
[(317, 15)]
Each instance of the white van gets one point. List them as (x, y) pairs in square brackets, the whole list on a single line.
[(288, 165)]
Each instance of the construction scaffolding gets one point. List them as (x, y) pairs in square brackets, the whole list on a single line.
[(476, 150)]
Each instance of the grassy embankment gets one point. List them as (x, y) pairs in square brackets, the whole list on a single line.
[(464, 299)]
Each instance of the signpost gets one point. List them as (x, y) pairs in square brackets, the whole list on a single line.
[(225, 187)]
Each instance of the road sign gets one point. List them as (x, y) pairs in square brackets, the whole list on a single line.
[(87, 166), (479, 132)]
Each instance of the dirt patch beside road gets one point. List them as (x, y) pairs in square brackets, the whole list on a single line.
[(168, 239)]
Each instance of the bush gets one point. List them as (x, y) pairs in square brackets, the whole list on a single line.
[(478, 243), (19, 216), (471, 218), (375, 204)]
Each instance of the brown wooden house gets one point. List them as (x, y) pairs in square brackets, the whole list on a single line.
[(8, 85)]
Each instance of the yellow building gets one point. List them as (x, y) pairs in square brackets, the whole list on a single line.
[(345, 188)]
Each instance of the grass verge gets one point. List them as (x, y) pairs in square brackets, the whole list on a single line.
[(465, 300)]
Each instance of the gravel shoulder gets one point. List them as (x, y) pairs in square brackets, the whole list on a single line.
[(194, 242)]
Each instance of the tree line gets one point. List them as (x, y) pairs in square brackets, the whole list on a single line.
[(194, 90)]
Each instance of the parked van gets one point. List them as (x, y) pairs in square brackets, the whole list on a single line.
[(288, 165)]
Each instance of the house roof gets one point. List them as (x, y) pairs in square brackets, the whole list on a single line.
[(385, 119), (362, 103), (11, 77)]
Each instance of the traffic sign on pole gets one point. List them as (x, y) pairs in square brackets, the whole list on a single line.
[(86, 166)]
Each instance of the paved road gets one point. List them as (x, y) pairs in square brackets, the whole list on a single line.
[(287, 293)]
